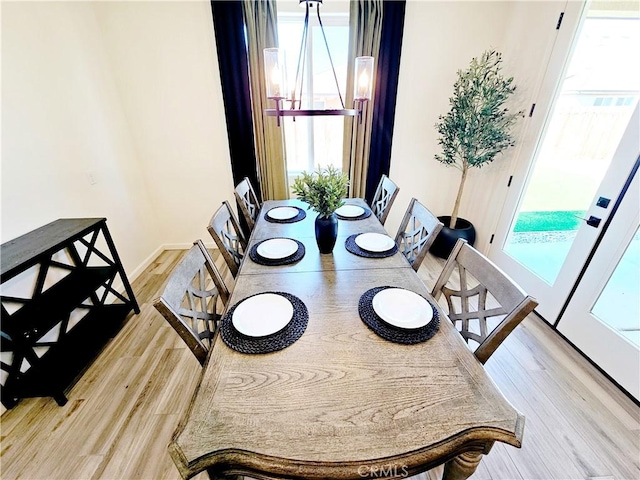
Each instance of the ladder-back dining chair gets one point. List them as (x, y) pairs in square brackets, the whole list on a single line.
[(483, 297), (190, 300), (226, 232), (248, 201), (418, 229), (383, 199)]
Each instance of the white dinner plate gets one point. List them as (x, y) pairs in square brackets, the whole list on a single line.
[(402, 308), (350, 211), (282, 213), (277, 248), (374, 242), (262, 315)]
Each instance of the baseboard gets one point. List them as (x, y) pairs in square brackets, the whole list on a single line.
[(588, 359), (151, 258), (145, 264), (183, 246)]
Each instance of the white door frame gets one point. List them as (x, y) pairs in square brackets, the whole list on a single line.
[(529, 140), (613, 353), (552, 298)]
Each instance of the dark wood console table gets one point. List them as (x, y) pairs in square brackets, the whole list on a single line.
[(51, 334)]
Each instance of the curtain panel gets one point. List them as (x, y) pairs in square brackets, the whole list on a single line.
[(228, 27), (386, 90), (365, 31), (260, 18)]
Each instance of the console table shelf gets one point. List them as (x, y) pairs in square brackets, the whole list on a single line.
[(67, 308)]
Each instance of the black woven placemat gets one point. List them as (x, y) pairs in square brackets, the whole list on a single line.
[(351, 245), (269, 343), (274, 262), (300, 216), (391, 332)]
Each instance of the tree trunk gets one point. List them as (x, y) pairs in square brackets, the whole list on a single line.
[(456, 206)]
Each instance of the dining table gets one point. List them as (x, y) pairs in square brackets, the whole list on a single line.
[(340, 402)]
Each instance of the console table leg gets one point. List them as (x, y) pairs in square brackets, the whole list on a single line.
[(60, 399), (462, 466), (9, 402)]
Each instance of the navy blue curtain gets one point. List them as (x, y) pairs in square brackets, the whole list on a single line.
[(384, 107), (228, 24)]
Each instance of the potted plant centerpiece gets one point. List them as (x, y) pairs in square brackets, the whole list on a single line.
[(476, 129), (324, 191)]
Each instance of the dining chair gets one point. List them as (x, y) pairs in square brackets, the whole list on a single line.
[(508, 303), (190, 299), (248, 201), (226, 232), (417, 231), (384, 197)]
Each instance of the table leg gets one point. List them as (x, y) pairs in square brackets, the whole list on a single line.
[(462, 466)]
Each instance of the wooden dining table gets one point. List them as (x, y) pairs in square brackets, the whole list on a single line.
[(341, 402)]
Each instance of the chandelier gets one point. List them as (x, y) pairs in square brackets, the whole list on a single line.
[(276, 78)]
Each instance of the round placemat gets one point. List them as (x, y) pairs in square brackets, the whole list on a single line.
[(366, 214), (351, 245), (391, 332), (274, 262), (300, 216), (269, 343)]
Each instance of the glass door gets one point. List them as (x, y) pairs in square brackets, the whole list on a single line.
[(603, 316), (580, 163)]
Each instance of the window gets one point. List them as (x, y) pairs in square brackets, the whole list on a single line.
[(311, 142)]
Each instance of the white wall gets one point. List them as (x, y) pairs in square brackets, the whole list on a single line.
[(439, 39), (128, 91), (164, 61), (62, 118)]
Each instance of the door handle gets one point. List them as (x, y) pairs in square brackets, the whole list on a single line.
[(591, 221)]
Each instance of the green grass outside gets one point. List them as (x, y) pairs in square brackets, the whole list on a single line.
[(548, 221)]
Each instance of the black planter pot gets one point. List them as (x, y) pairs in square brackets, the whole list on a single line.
[(326, 232), (448, 237)]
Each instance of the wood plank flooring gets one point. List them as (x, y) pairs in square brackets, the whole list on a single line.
[(122, 412)]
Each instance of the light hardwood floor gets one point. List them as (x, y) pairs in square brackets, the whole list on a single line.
[(122, 412)]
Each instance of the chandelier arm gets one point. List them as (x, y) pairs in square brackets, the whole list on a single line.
[(304, 65), (330, 59), (276, 112), (296, 96), (301, 57)]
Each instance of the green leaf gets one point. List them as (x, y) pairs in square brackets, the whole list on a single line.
[(478, 125), (324, 190)]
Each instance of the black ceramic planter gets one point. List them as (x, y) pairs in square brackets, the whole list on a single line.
[(448, 237), (326, 232)]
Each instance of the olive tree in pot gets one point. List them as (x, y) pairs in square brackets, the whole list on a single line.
[(324, 191), (476, 129)]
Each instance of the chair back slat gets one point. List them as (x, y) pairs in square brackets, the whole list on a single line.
[(189, 301), (214, 273), (502, 287), (418, 229), (494, 298), (383, 199), (226, 232), (248, 202)]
